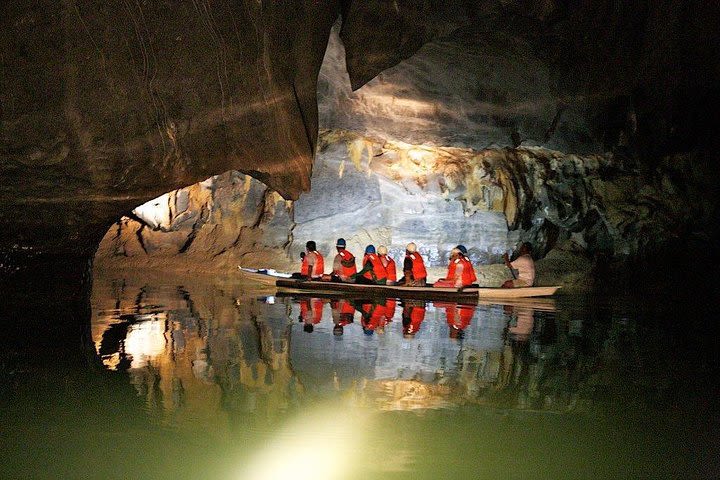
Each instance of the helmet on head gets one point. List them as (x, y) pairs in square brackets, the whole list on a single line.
[(462, 249), (340, 242), (382, 250), (411, 247), (311, 246), (369, 249)]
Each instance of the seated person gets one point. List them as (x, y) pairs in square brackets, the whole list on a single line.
[(344, 267), (414, 271), (388, 263), (313, 264), (523, 265), (460, 270), (373, 271)]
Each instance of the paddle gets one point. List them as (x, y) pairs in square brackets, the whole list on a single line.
[(506, 257)]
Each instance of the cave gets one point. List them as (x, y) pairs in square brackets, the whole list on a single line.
[(149, 149)]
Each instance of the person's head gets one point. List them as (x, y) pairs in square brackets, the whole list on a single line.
[(456, 333), (525, 249), (382, 250), (338, 330), (308, 327), (310, 246), (302, 255), (369, 249), (411, 248), (462, 249), (368, 331), (340, 244), (454, 253)]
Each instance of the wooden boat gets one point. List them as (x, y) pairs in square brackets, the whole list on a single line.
[(262, 277), (517, 292), (422, 293)]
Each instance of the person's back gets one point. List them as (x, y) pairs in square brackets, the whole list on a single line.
[(389, 264), (313, 264), (413, 268), (460, 270), (373, 271), (524, 265), (344, 268)]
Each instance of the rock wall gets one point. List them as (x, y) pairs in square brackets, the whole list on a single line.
[(593, 208), (425, 152)]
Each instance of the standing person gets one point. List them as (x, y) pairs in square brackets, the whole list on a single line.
[(389, 264), (373, 271), (460, 270), (344, 267), (414, 271), (523, 265), (313, 264)]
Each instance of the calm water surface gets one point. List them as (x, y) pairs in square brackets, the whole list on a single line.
[(190, 380)]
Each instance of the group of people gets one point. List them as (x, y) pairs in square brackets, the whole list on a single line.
[(377, 268)]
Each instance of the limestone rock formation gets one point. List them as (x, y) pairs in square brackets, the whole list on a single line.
[(230, 212)]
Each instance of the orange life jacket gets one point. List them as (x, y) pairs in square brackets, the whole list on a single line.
[(390, 270), (390, 309), (343, 307), (311, 310), (416, 316), (468, 272), (459, 316), (318, 267), (378, 269), (418, 266), (347, 264), (373, 316)]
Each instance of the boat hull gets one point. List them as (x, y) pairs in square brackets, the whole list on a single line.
[(420, 293)]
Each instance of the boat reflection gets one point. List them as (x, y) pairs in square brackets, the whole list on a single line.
[(187, 352)]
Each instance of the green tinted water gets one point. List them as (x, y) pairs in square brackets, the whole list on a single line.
[(219, 382)]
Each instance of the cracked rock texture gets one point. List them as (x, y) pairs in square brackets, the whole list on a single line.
[(580, 210)]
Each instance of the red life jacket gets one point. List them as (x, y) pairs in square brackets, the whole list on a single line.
[(343, 308), (390, 309), (378, 269), (468, 272), (311, 310), (390, 270), (318, 267), (347, 264), (418, 266), (459, 316), (416, 316), (317, 309), (373, 316)]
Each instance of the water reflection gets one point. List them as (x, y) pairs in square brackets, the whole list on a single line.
[(264, 355)]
